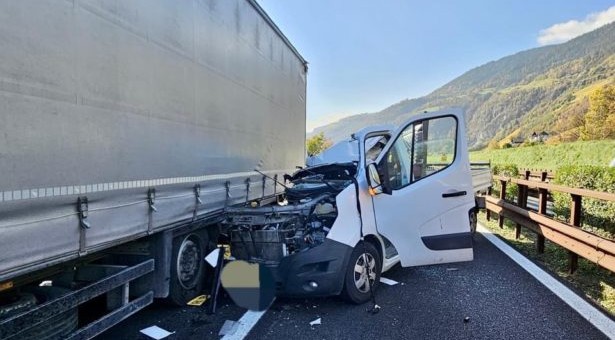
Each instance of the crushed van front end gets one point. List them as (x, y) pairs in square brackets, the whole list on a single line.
[(290, 237)]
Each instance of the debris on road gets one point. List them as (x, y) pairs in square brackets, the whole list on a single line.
[(212, 257), (388, 281), (316, 322), (374, 310), (466, 319), (229, 328), (156, 332), (198, 301), (453, 269)]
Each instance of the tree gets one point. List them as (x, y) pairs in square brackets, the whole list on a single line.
[(601, 115), (317, 144)]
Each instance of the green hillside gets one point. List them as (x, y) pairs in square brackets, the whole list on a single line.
[(534, 90), (551, 157)]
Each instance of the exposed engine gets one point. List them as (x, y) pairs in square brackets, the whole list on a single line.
[(266, 234)]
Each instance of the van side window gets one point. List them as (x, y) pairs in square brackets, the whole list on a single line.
[(434, 146), (374, 146), (423, 149), (398, 160)]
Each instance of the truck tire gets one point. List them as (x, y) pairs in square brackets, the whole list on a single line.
[(187, 267), (56, 327), (356, 289), (15, 304)]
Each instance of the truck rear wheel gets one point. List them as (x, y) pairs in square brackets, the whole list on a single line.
[(187, 267), (362, 274), (56, 327), (15, 304)]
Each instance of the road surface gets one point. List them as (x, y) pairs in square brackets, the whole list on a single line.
[(489, 298)]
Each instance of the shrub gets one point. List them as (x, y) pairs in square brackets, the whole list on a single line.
[(598, 215), (508, 170)]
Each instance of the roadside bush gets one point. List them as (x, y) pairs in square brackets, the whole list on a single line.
[(598, 216), (508, 170)]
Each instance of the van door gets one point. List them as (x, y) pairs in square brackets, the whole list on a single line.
[(427, 191)]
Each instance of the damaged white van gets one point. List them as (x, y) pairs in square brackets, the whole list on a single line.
[(382, 197)]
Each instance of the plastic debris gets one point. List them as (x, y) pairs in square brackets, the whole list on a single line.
[(229, 328), (315, 322), (156, 332), (388, 281), (198, 301), (212, 258)]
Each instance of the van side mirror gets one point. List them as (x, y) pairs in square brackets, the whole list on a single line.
[(373, 180)]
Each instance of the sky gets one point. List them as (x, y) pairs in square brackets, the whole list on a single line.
[(365, 55)]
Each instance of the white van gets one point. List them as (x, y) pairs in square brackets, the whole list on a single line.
[(382, 197)]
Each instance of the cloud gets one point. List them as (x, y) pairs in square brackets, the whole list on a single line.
[(565, 31)]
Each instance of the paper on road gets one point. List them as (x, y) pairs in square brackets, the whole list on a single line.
[(156, 332), (388, 281)]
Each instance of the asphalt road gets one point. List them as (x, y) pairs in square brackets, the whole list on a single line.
[(500, 300)]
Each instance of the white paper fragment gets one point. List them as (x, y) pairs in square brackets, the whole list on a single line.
[(388, 281), (228, 328), (212, 258), (156, 332), (315, 322)]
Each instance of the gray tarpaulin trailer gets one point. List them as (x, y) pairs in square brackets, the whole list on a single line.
[(125, 129)]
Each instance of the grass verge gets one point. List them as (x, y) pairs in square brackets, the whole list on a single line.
[(597, 283), (551, 157)]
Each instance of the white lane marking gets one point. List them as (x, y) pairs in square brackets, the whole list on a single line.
[(246, 323), (584, 308), (388, 281)]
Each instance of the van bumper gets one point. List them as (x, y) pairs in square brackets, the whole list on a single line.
[(318, 271)]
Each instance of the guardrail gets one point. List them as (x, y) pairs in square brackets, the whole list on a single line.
[(537, 174), (567, 235)]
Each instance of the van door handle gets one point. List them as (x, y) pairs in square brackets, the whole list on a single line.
[(454, 194)]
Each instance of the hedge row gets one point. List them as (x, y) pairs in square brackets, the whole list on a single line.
[(598, 215)]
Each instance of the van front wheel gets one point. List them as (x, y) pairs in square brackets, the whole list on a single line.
[(363, 273)]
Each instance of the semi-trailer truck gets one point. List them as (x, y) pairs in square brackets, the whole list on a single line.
[(126, 129)]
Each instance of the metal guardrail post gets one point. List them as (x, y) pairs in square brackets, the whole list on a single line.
[(575, 219), (522, 203), (488, 211), (503, 197), (542, 209)]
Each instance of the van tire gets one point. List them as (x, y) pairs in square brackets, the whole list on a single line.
[(472, 215), (352, 279), (187, 267)]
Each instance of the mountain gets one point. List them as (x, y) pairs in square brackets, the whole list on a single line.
[(529, 91)]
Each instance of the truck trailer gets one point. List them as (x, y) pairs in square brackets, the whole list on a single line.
[(126, 129)]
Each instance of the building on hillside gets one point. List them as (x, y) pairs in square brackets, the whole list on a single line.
[(543, 136), (539, 137), (516, 141)]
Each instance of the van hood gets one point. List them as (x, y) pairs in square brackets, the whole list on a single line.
[(346, 151)]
